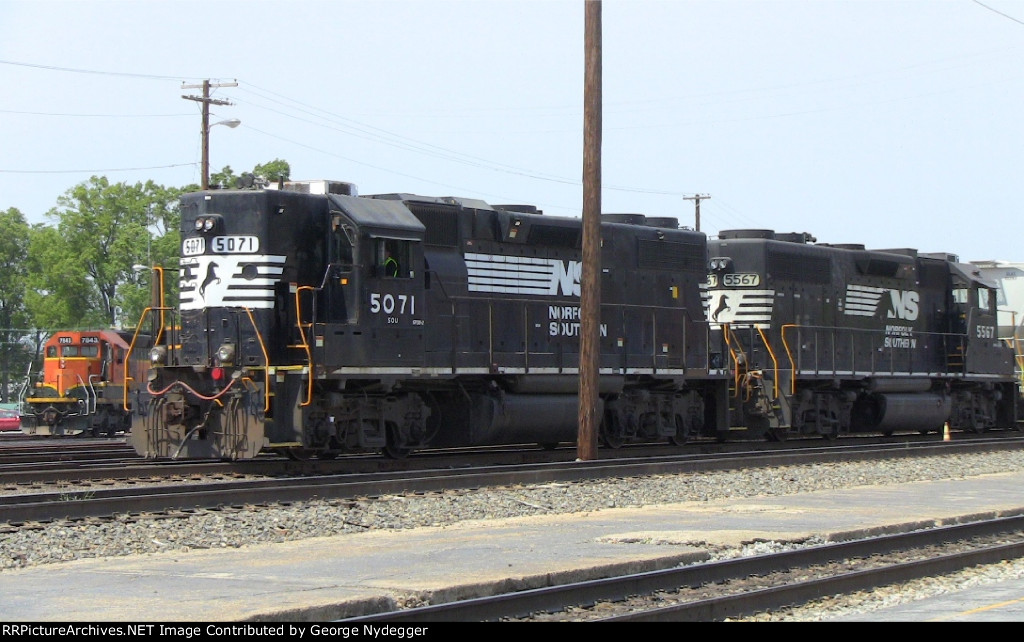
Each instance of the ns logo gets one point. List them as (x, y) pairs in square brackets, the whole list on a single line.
[(903, 305), (567, 277)]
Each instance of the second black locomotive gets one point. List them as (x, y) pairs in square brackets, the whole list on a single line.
[(831, 339)]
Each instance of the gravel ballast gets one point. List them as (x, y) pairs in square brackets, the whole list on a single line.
[(72, 540)]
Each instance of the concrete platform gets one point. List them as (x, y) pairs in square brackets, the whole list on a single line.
[(330, 578), (998, 602)]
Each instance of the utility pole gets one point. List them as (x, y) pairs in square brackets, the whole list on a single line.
[(590, 282), (697, 198), (206, 102)]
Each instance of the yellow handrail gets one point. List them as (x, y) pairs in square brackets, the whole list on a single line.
[(726, 334), (266, 361), (775, 362), (159, 270), (305, 342), (131, 348), (789, 354)]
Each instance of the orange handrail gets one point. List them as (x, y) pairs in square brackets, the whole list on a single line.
[(305, 342)]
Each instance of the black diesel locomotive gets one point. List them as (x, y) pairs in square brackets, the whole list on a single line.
[(313, 321), (830, 339)]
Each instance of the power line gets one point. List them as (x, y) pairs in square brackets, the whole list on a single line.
[(354, 128), (88, 71), (94, 171), (999, 12), (51, 113)]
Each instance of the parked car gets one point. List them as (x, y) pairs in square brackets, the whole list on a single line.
[(9, 420)]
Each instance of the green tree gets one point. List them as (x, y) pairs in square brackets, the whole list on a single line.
[(272, 172), (102, 230), (58, 290), (224, 179), (15, 345)]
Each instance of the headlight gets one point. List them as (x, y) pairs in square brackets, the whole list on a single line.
[(719, 263), (206, 223), (158, 355), (226, 353)]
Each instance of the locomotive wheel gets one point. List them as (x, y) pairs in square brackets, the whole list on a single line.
[(610, 439), (394, 452), (391, 449), (680, 438), (609, 432), (296, 453), (831, 433)]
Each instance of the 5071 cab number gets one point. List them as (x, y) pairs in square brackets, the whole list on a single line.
[(193, 246), (237, 244)]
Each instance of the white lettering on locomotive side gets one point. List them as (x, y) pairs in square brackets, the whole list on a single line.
[(563, 312), (235, 244), (904, 305), (864, 301), (500, 274), (899, 336), (559, 314), (899, 342), (392, 304), (562, 329), (985, 332), (899, 330)]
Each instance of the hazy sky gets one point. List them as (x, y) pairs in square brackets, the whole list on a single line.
[(887, 123)]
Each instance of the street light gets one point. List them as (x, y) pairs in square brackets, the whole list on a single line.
[(232, 123)]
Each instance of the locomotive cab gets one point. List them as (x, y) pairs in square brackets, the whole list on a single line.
[(974, 316)]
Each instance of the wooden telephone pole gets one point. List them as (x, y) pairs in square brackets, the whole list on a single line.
[(697, 198), (206, 102), (590, 283)]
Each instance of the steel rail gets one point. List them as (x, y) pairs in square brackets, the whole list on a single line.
[(550, 599), (105, 502)]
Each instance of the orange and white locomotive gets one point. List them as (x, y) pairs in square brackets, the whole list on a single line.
[(81, 385)]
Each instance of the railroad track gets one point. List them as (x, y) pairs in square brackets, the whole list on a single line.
[(212, 488), (105, 462), (735, 588)]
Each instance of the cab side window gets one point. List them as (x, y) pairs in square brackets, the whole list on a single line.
[(392, 258)]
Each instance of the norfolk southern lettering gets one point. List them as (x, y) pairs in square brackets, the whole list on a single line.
[(565, 321)]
